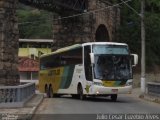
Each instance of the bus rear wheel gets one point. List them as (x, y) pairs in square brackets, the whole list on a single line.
[(114, 97), (46, 91), (80, 93), (51, 95)]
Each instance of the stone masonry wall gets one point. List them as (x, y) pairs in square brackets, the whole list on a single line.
[(106, 15), (83, 28), (8, 43), (73, 30)]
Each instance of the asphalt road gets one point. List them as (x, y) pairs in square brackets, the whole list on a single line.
[(67, 108)]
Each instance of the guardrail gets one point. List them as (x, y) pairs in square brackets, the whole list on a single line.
[(153, 88), (16, 96)]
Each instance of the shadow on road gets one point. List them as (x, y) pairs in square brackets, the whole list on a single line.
[(65, 117), (101, 99)]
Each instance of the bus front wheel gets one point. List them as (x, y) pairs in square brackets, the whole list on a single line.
[(114, 97), (74, 96), (80, 92)]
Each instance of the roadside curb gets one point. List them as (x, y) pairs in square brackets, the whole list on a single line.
[(36, 107), (27, 116), (30, 115), (136, 92), (24, 113), (150, 98)]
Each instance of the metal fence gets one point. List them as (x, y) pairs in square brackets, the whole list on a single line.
[(16, 96), (153, 88)]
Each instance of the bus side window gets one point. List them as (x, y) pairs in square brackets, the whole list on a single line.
[(42, 64), (72, 57), (87, 63)]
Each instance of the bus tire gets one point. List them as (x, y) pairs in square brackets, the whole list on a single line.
[(74, 96), (51, 95), (56, 95), (46, 91), (114, 97), (80, 92)]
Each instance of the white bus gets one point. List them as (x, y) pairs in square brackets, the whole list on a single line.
[(88, 69)]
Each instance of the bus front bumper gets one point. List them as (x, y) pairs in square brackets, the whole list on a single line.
[(100, 90)]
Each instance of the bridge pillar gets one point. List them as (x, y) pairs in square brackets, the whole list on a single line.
[(8, 43), (94, 26), (107, 20)]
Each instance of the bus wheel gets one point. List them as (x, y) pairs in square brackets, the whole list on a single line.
[(50, 92), (56, 95), (114, 97), (74, 96), (46, 91), (80, 92)]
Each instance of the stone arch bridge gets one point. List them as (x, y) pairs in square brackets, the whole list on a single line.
[(91, 26)]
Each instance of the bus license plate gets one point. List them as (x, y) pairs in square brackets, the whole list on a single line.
[(115, 90)]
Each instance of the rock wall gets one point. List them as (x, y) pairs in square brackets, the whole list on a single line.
[(88, 27), (8, 43), (105, 15)]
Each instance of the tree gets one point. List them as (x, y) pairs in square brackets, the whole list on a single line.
[(129, 30), (34, 23)]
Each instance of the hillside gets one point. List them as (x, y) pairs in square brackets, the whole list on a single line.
[(34, 23)]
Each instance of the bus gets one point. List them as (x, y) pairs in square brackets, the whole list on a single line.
[(88, 69)]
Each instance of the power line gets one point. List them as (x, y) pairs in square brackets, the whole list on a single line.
[(131, 8), (85, 13), (23, 23), (92, 12)]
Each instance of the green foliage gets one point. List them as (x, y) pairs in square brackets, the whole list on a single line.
[(34, 23), (130, 30), (153, 38)]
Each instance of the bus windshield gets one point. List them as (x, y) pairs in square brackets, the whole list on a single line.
[(111, 49), (112, 63)]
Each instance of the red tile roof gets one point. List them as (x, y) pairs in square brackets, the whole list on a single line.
[(28, 64)]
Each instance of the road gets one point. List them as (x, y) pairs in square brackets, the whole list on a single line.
[(64, 107)]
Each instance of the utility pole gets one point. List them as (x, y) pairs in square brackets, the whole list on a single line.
[(143, 63)]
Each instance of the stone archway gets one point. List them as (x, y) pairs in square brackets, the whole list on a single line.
[(102, 34)]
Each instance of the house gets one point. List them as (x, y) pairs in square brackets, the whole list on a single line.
[(29, 52)]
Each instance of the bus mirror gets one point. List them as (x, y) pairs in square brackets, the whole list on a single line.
[(134, 58), (92, 57)]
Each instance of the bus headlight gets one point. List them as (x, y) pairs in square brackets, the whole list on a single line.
[(129, 83), (98, 83)]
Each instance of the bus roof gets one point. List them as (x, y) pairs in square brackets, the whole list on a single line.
[(36, 40), (80, 45), (104, 43), (63, 49)]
